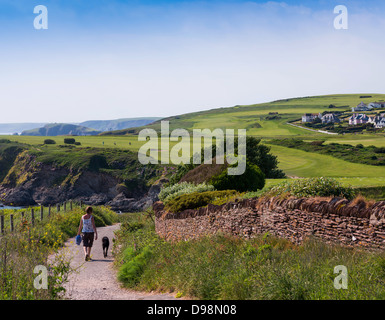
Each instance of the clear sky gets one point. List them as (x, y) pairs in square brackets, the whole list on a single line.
[(107, 59)]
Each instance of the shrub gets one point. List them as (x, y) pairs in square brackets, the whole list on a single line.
[(317, 143), (171, 192), (97, 162), (198, 199), (312, 187), (257, 154), (69, 140), (204, 172), (252, 179), (49, 141)]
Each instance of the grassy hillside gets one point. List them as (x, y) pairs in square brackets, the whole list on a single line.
[(257, 118)]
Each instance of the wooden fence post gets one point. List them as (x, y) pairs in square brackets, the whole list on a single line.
[(11, 222), (65, 206), (49, 210), (2, 224), (32, 217), (41, 213), (71, 205), (58, 207), (22, 216)]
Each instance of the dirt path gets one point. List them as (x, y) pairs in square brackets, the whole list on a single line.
[(96, 279)]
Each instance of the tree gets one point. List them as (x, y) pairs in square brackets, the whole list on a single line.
[(256, 153), (259, 154), (252, 180)]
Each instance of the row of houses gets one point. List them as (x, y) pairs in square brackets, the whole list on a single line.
[(327, 118), (377, 121), (367, 107)]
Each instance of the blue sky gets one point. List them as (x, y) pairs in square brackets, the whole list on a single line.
[(107, 59)]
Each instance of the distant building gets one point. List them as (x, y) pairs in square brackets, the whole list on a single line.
[(361, 107), (376, 105), (358, 119), (311, 117), (377, 121), (330, 118)]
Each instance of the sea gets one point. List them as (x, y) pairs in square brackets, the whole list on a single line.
[(3, 207)]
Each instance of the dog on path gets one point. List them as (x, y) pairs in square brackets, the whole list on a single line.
[(105, 244)]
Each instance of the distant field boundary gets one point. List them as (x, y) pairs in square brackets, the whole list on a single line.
[(319, 131)]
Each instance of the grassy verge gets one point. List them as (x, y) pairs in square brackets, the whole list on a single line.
[(224, 267), (30, 246)]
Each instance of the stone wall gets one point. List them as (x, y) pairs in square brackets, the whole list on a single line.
[(355, 223)]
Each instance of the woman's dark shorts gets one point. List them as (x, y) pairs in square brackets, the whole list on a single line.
[(88, 239)]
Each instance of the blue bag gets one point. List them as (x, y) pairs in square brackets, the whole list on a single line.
[(78, 239)]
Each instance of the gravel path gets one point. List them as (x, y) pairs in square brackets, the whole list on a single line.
[(96, 279)]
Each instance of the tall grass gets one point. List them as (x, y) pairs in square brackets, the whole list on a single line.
[(226, 267)]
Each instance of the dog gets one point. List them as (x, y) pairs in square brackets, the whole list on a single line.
[(105, 244)]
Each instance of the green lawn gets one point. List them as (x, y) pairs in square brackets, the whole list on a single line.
[(298, 163)]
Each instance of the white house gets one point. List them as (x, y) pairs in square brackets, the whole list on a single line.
[(361, 107), (330, 118), (378, 121), (376, 105), (310, 117), (358, 119)]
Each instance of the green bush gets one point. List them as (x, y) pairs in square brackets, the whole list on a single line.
[(257, 154), (69, 140), (49, 141), (252, 179), (171, 192), (312, 187), (199, 199)]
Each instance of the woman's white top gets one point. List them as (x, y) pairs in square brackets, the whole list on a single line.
[(87, 225)]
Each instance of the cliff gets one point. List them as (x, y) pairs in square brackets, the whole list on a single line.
[(47, 175), (59, 129)]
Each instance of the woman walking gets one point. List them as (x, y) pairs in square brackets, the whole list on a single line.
[(87, 227)]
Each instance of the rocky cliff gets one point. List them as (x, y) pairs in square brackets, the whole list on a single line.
[(96, 177)]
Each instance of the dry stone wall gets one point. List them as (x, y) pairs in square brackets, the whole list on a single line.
[(336, 220)]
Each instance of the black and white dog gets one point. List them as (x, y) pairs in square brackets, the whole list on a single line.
[(105, 244)]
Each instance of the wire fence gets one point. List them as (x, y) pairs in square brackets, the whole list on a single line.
[(9, 218)]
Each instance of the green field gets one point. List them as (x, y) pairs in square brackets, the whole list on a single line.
[(301, 164)]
